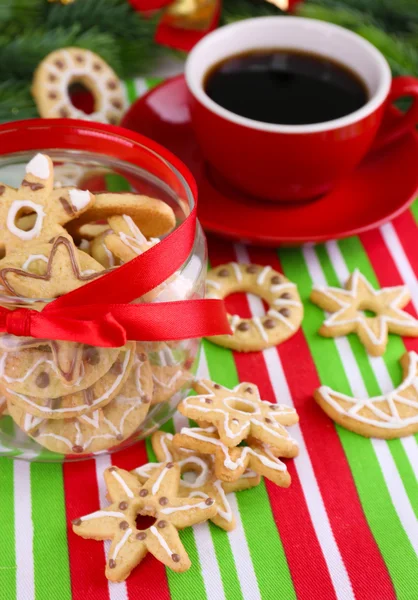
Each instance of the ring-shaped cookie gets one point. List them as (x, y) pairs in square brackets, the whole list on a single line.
[(64, 67), (285, 311)]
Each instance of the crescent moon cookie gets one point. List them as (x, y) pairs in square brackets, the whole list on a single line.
[(390, 416), (158, 498), (205, 484), (52, 208), (67, 66), (285, 308), (119, 379), (347, 306)]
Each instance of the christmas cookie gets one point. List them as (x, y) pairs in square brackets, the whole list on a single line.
[(285, 311), (51, 209), (119, 379), (231, 463), (60, 266), (158, 498), (34, 371), (347, 306), (168, 380), (61, 69), (153, 217), (198, 479), (240, 413), (392, 415), (100, 251), (127, 241)]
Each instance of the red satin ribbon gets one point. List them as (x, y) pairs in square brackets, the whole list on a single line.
[(99, 313)]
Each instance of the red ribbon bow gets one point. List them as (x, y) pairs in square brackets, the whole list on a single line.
[(100, 312)]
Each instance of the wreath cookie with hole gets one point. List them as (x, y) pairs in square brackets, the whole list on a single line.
[(284, 314), (68, 66)]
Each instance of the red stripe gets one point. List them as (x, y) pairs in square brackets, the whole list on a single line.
[(406, 228), (386, 271), (369, 578), (149, 580), (87, 559), (306, 561)]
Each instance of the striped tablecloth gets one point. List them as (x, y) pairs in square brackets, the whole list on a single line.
[(346, 528)]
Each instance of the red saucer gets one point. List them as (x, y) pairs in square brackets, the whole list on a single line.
[(382, 186)]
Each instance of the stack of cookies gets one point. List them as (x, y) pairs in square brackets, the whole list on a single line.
[(240, 438), (73, 398)]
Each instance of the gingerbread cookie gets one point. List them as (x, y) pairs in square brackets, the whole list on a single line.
[(61, 265), (168, 380), (61, 69), (153, 217), (158, 498), (101, 252), (204, 484), (127, 241), (119, 379), (240, 413), (389, 416), (231, 463), (285, 311), (51, 208), (347, 306), (34, 371)]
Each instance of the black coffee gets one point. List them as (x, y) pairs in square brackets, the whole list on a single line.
[(285, 87)]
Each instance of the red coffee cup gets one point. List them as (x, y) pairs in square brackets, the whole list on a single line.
[(294, 162)]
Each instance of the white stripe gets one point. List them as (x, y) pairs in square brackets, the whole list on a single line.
[(390, 473), (237, 538), (141, 86), (401, 260), (311, 490), (207, 556), (25, 581), (117, 591)]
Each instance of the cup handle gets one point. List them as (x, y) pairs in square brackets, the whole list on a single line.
[(401, 86)]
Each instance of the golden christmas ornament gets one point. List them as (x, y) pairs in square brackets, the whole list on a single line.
[(191, 14)]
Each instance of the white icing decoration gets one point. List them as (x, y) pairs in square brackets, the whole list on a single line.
[(171, 509), (260, 328), (121, 543), (158, 481), (161, 540), (15, 207), (32, 258), (225, 514), (103, 513), (84, 245), (214, 284), (235, 319), (79, 199), (383, 420), (38, 166), (237, 271), (277, 315), (123, 484), (280, 287), (284, 301), (109, 255), (261, 277), (172, 381)]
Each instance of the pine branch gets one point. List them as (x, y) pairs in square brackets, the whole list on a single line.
[(16, 101), (236, 10), (20, 57)]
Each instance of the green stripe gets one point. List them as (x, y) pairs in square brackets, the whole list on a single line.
[(374, 496), (117, 183), (414, 210), (259, 526), (190, 584), (7, 537), (50, 546), (153, 81), (131, 90)]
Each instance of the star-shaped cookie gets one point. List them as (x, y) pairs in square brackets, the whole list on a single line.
[(204, 484), (63, 274), (231, 463), (347, 306), (239, 413), (46, 209), (157, 498)]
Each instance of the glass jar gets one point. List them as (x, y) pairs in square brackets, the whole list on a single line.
[(146, 379)]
